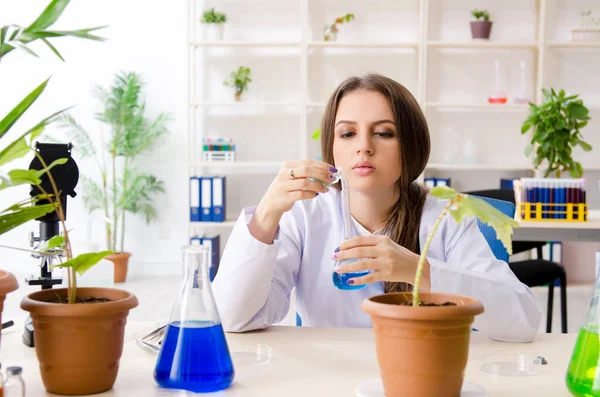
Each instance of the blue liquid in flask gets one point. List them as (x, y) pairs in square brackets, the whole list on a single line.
[(194, 357), (341, 280)]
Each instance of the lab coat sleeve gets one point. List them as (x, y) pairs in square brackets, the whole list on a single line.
[(512, 313), (254, 281)]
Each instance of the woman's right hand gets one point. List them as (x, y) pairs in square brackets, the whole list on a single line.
[(290, 185)]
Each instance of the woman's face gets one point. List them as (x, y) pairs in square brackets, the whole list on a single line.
[(365, 143)]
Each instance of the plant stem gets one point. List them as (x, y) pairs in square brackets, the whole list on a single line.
[(417, 282), (114, 198), (124, 193)]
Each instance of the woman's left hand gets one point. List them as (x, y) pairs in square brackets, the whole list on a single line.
[(387, 260)]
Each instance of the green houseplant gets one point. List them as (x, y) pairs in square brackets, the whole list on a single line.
[(19, 37), (239, 80), (435, 337), (68, 336), (122, 189), (331, 31), (481, 27), (213, 24), (556, 127)]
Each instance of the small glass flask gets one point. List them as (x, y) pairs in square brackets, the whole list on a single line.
[(583, 374), (499, 95), (341, 280), (194, 354), (14, 385)]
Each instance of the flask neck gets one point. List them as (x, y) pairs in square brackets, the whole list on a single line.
[(195, 265)]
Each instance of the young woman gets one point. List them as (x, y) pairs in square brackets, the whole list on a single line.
[(374, 131)]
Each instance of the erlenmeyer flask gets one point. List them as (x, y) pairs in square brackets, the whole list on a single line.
[(194, 354), (341, 280), (583, 374)]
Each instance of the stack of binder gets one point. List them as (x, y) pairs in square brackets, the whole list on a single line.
[(207, 199), (214, 246)]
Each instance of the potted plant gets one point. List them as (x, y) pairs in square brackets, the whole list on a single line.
[(330, 32), (556, 127), (214, 23), (78, 345), (239, 79), (122, 189), (482, 26), (17, 37), (435, 337)]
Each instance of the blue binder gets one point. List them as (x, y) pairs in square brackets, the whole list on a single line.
[(194, 199), (214, 245), (218, 199), (205, 199)]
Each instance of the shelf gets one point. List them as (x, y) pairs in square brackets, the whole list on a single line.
[(358, 44), (198, 44), (227, 223), (238, 164), (477, 167), (244, 104), (487, 107), (482, 45), (574, 44)]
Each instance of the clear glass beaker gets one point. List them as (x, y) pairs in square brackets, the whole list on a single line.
[(194, 354), (341, 280), (583, 374)]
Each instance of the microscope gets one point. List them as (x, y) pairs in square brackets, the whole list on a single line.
[(65, 177)]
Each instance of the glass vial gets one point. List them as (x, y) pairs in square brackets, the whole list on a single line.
[(341, 280), (499, 95), (583, 374), (194, 354), (523, 96), (14, 385)]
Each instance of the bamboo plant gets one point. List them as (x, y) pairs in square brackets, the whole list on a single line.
[(122, 189), (459, 206), (17, 37)]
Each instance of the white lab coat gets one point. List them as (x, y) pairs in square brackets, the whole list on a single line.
[(252, 287)]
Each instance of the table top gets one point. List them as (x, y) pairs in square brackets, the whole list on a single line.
[(560, 231), (310, 361)]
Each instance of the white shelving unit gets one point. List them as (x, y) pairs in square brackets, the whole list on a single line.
[(430, 47)]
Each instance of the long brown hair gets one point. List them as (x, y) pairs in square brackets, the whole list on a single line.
[(405, 217)]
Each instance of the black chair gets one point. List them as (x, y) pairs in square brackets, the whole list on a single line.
[(535, 272)]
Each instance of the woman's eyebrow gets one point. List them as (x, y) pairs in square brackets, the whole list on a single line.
[(374, 123)]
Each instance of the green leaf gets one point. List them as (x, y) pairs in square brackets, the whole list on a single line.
[(56, 241), (19, 147), (18, 111), (93, 196), (585, 146), (444, 192), (20, 214), (31, 177), (577, 111), (502, 224), (84, 262), (576, 171), (317, 134), (54, 50), (528, 149), (49, 15), (526, 126), (82, 142)]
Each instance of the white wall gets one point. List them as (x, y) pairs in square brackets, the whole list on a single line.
[(148, 37)]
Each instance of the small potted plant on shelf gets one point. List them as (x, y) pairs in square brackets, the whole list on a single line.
[(16, 37), (482, 26), (239, 80), (331, 31), (214, 23), (556, 127), (132, 134), (435, 337)]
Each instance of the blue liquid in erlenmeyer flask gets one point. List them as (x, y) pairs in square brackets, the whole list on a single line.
[(194, 357), (341, 280)]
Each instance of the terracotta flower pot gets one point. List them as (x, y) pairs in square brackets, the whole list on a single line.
[(120, 261), (481, 29), (79, 345), (8, 283), (422, 349)]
